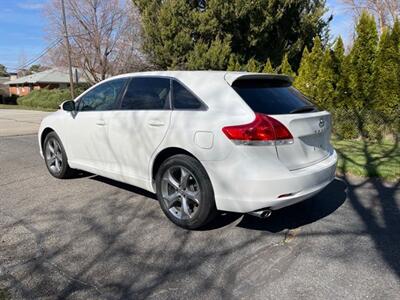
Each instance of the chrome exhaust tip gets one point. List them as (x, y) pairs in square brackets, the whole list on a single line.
[(263, 214)]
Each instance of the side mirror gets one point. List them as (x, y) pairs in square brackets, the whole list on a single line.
[(68, 105)]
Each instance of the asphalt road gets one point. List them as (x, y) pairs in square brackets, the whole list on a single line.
[(93, 238), (20, 122)]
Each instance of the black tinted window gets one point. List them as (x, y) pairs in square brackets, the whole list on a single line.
[(102, 97), (272, 96), (183, 98), (147, 93)]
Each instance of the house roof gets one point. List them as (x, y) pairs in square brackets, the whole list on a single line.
[(4, 79), (56, 75)]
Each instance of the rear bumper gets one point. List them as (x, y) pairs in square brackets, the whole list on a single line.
[(245, 186)]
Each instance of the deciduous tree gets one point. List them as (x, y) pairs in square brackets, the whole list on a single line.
[(385, 11), (104, 36)]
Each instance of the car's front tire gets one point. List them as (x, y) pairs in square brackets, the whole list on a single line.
[(55, 157), (185, 192)]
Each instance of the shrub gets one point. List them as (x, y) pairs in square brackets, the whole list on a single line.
[(370, 124), (46, 99)]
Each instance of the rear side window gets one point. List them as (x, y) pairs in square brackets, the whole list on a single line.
[(147, 93), (273, 97), (183, 98)]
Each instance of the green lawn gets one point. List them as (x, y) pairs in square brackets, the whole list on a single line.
[(370, 159), (12, 106)]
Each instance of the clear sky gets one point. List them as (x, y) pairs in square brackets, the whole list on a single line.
[(342, 23), (22, 29)]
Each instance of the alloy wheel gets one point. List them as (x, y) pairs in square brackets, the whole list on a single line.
[(54, 155), (180, 192)]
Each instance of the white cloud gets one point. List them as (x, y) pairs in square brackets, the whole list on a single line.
[(31, 5)]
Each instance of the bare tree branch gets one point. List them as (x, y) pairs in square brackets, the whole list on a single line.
[(105, 36), (385, 11)]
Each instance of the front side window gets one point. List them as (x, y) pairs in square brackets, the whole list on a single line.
[(183, 98), (147, 94), (102, 97)]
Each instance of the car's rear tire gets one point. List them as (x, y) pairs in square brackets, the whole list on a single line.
[(185, 192), (55, 157)]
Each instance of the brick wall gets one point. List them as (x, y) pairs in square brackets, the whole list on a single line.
[(25, 90)]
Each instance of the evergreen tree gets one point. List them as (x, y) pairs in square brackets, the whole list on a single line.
[(341, 69), (326, 81), (259, 29), (362, 59), (214, 57), (35, 68), (233, 64), (253, 66), (387, 74), (268, 67), (3, 71), (308, 71), (285, 67)]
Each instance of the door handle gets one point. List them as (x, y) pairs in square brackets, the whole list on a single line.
[(156, 123), (100, 123)]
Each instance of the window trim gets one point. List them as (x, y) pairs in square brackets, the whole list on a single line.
[(168, 107), (127, 80), (116, 103), (203, 106)]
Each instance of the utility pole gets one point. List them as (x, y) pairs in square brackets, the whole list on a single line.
[(71, 78)]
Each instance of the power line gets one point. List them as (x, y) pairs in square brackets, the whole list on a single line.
[(43, 53), (71, 80), (57, 41)]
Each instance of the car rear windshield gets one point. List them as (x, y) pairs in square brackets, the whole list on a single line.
[(273, 97)]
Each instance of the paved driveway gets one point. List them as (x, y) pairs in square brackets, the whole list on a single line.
[(20, 122), (93, 238)]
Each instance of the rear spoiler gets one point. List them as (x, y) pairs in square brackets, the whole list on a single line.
[(231, 77)]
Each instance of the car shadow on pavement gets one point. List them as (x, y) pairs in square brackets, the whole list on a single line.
[(294, 216), (125, 186), (306, 212)]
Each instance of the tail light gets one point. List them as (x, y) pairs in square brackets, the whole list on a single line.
[(263, 130)]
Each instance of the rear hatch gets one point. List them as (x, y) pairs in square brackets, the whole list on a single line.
[(311, 139), (310, 128)]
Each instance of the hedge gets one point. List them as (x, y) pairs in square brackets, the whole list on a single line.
[(45, 98)]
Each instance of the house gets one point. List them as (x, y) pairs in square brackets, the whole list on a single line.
[(50, 79)]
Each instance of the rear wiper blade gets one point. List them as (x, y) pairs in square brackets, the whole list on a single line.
[(307, 108)]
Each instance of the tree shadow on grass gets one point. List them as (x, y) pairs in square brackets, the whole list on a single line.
[(381, 215)]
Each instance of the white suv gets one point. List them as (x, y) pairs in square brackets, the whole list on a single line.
[(202, 140)]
